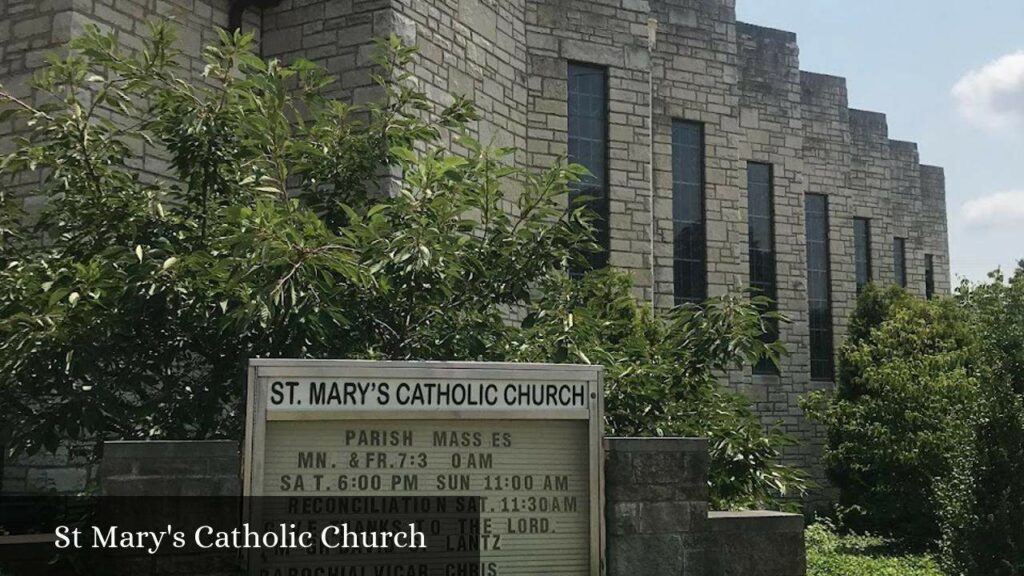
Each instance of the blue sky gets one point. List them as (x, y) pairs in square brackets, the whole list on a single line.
[(950, 75)]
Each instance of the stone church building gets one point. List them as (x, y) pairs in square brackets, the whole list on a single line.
[(718, 163)]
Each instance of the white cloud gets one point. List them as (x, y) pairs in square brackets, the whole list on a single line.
[(1001, 209), (993, 95)]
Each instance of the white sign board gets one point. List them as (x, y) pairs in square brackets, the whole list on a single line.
[(524, 438)]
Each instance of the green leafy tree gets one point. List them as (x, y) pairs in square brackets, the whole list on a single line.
[(661, 374), (981, 499), (926, 429), (906, 373), (279, 229), (268, 237)]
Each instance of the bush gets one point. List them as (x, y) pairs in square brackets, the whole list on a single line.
[(832, 554), (661, 375), (981, 500), (926, 429), (905, 375), (273, 238)]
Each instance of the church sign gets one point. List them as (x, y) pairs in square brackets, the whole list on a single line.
[(522, 441)]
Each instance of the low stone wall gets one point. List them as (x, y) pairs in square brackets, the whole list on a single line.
[(171, 468), (204, 473), (756, 543), (69, 470), (658, 522)]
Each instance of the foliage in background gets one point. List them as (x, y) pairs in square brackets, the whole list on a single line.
[(926, 429), (905, 374), (135, 316), (830, 553), (981, 500), (661, 374), (130, 309)]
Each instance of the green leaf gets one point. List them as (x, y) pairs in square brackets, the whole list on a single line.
[(403, 153)]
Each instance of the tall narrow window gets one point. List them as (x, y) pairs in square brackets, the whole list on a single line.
[(761, 237), (689, 264), (929, 276), (588, 146), (899, 260), (862, 251), (819, 292)]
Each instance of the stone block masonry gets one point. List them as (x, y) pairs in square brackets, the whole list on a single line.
[(67, 471), (170, 468), (658, 523), (665, 60), (756, 543), (657, 506)]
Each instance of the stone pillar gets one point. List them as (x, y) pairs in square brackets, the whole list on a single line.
[(656, 506)]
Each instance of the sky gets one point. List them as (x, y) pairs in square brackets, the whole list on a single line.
[(950, 76)]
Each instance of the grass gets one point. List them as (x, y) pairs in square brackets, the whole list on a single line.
[(831, 554)]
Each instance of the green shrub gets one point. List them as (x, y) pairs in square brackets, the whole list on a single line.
[(661, 374), (926, 428), (981, 500), (832, 554), (897, 410)]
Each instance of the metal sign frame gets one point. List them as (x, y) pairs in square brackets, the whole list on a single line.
[(257, 414)]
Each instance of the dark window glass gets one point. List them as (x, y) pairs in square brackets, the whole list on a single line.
[(819, 293), (588, 146), (929, 275), (862, 251), (761, 237), (899, 260), (689, 264)]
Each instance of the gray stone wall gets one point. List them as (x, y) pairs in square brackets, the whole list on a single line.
[(657, 506), (772, 132), (658, 523), (756, 543), (194, 483), (933, 227), (30, 29), (666, 59), (337, 34), (171, 468), (67, 471), (695, 74), (614, 34)]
